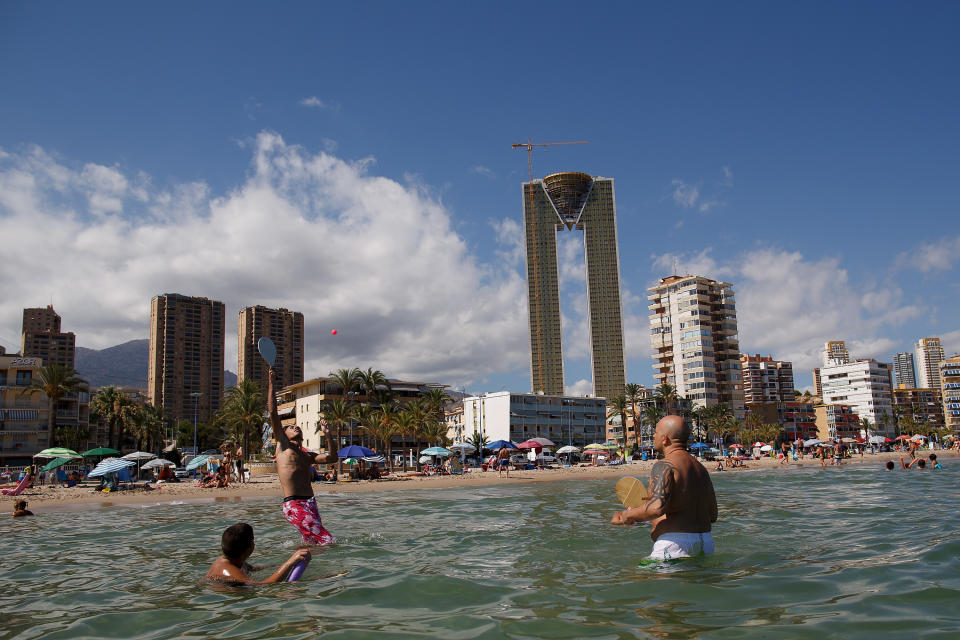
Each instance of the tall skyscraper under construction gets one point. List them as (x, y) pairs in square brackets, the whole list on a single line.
[(566, 201)]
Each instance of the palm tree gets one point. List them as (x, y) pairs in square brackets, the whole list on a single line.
[(383, 426), (436, 399), (406, 425), (420, 417), (337, 413), (619, 406), (244, 408), (651, 416), (113, 407), (346, 379), (435, 433), (362, 414), (668, 396), (633, 392), (56, 381), (866, 425), (479, 442), (371, 379)]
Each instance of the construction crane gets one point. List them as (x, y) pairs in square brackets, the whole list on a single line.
[(529, 145)]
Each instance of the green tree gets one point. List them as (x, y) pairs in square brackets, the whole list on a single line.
[(113, 407), (347, 379), (668, 397), (371, 380), (244, 412), (633, 392), (406, 425), (652, 414), (56, 381), (479, 442), (383, 426), (619, 408)]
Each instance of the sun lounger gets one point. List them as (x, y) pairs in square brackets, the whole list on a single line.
[(21, 486)]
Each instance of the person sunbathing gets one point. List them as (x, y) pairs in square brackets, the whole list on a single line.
[(237, 544)]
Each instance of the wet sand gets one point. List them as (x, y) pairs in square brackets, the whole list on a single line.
[(49, 498)]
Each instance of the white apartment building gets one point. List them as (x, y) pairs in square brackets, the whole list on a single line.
[(520, 416), (693, 329), (835, 352), (904, 371), (929, 354), (866, 386)]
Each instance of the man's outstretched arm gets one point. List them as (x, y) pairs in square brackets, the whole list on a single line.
[(278, 433), (331, 454)]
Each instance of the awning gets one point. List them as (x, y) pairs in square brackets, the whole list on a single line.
[(286, 410)]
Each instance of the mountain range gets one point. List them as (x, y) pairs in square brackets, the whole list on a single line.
[(123, 365)]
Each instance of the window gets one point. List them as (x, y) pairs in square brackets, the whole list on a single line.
[(24, 378)]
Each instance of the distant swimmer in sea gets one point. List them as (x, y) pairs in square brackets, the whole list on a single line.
[(920, 462), (933, 461), (682, 502), (889, 465), (237, 544), (295, 470), (20, 509)]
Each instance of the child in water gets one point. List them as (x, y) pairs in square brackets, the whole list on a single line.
[(238, 544), (20, 509)]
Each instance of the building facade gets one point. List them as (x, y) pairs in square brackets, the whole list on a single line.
[(923, 406), (42, 338), (836, 421), (521, 416), (866, 386), (766, 379), (566, 201), (835, 352), (929, 354), (903, 370), (185, 374), (797, 418), (285, 329), (693, 327), (24, 414), (950, 385)]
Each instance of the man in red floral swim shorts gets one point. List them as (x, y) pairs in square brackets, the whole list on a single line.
[(294, 468)]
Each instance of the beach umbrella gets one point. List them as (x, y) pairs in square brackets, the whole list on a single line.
[(902, 437), (766, 447), (759, 444), (811, 442), (546, 442), (355, 451), (110, 465), (100, 451), (568, 449), (425, 459), (878, 439), (699, 445), (56, 462), (918, 437), (499, 444), (463, 446), (436, 451), (58, 452), (159, 462), (196, 462), (374, 459), (736, 446), (529, 444), (138, 456)]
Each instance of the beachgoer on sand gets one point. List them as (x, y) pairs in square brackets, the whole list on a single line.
[(503, 460), (294, 465), (682, 502), (237, 544)]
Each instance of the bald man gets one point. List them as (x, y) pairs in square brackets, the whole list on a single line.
[(682, 503)]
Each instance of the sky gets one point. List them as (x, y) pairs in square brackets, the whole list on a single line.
[(353, 161)]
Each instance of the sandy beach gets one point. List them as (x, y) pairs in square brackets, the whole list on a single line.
[(49, 498)]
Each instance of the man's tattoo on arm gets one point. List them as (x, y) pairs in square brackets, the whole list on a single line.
[(661, 483)]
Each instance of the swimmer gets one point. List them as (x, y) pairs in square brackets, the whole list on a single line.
[(889, 465), (933, 461), (238, 544), (682, 502), (20, 509), (920, 462), (295, 470)]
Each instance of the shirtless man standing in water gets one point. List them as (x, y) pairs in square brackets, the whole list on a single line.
[(295, 472), (682, 503)]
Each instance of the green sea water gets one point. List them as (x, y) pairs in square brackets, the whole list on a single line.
[(805, 553)]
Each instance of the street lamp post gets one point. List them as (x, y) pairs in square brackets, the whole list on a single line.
[(196, 400)]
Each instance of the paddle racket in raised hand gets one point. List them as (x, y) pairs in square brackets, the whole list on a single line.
[(631, 492), (268, 350)]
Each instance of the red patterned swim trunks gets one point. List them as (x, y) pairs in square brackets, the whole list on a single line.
[(304, 515)]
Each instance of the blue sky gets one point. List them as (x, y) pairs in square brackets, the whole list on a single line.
[(353, 162)]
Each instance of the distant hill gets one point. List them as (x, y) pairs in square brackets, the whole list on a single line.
[(124, 365)]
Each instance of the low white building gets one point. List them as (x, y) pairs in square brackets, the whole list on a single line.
[(866, 385), (520, 416)]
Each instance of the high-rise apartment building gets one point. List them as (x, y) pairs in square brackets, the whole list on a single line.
[(929, 356), (693, 326), (766, 379), (865, 385), (835, 352), (924, 406), (817, 383), (565, 201), (42, 338), (950, 385), (903, 371), (285, 329), (186, 356)]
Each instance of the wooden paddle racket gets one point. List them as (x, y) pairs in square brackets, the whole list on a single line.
[(631, 492)]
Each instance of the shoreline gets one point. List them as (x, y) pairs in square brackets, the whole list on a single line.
[(54, 499)]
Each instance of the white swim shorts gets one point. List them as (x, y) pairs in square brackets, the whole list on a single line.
[(681, 545)]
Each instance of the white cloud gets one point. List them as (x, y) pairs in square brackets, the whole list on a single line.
[(313, 101), (374, 258), (483, 171), (580, 388), (936, 256), (951, 343), (727, 179), (685, 195)]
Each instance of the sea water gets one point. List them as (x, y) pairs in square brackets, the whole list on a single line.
[(855, 552)]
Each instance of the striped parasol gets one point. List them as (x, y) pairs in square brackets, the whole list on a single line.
[(110, 465)]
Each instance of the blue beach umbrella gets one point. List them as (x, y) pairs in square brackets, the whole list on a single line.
[(355, 451), (699, 445), (436, 451), (499, 444), (196, 462), (110, 465)]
